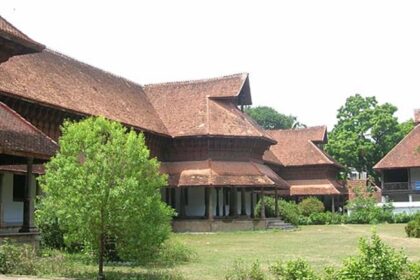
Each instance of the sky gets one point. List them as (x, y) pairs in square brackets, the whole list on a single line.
[(304, 58)]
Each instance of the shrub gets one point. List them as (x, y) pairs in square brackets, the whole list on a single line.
[(174, 252), (289, 211), (51, 234), (293, 270), (412, 272), (17, 259), (269, 203), (364, 210), (413, 227), (311, 205), (402, 218), (241, 271), (376, 261)]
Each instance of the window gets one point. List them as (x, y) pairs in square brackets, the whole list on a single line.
[(19, 187)]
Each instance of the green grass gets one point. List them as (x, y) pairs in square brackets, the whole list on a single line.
[(216, 252), (320, 245)]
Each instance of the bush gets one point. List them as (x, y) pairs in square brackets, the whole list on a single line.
[(376, 261), (326, 218), (241, 271), (310, 206), (363, 210), (413, 227), (293, 270), (174, 252), (51, 234), (17, 259), (288, 210), (270, 210), (402, 218)]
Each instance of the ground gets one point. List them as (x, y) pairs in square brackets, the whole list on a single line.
[(320, 245)]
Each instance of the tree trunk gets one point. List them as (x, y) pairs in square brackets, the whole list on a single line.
[(101, 275)]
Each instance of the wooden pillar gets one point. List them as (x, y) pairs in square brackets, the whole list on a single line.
[(168, 196), (243, 206), (182, 203), (333, 204), (1, 202), (262, 204), (276, 200), (206, 202), (224, 202), (210, 203), (28, 200), (217, 202), (233, 205), (252, 203), (173, 198)]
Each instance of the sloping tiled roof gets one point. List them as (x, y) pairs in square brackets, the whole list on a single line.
[(295, 147), (417, 116), (8, 31), (315, 187), (59, 81), (199, 108), (221, 173), (19, 137), (404, 154)]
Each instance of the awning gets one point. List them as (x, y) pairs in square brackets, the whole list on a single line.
[(221, 173), (315, 187)]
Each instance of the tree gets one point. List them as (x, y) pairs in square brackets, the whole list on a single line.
[(101, 185), (365, 132), (269, 118)]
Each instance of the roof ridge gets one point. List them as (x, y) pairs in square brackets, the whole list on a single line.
[(243, 75), (298, 129)]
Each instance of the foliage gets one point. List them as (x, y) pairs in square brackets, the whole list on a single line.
[(311, 205), (102, 184), (376, 261), (174, 252), (269, 204), (413, 227), (365, 132), (240, 271), (17, 259), (269, 118), (293, 270), (402, 218), (52, 236), (289, 211), (326, 218), (364, 210)]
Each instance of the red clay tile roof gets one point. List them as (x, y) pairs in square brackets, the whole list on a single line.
[(221, 173), (202, 107), (295, 147), (19, 137), (314, 187), (59, 81), (404, 154), (9, 32)]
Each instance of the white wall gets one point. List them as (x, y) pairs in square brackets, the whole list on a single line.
[(12, 210)]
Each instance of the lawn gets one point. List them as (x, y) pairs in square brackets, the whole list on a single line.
[(320, 245), (216, 252)]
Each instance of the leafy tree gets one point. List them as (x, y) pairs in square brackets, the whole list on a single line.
[(101, 185), (365, 132), (269, 118)]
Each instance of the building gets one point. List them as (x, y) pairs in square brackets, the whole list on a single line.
[(299, 158), (400, 171)]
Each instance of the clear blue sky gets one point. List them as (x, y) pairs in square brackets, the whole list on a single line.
[(304, 57)]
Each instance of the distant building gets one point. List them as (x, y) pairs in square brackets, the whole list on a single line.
[(400, 171)]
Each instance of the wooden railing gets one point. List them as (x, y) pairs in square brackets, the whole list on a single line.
[(396, 186)]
